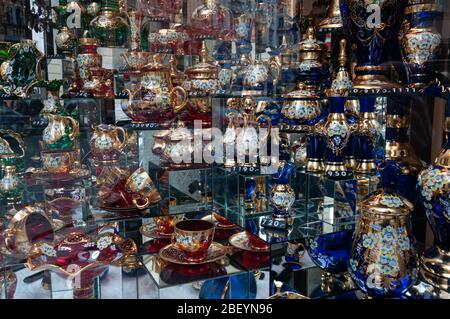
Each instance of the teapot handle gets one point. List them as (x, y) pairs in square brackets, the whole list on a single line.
[(124, 137), (269, 121), (17, 137), (75, 127), (143, 206), (180, 107)]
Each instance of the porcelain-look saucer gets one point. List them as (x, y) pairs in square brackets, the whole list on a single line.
[(175, 255), (241, 241), (150, 231)]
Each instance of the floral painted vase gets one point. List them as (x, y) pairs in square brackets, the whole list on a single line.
[(419, 41), (434, 183), (11, 186), (282, 196), (366, 136), (383, 260), (337, 133)]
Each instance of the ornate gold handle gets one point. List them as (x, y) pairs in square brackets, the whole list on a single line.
[(180, 107), (139, 206), (75, 127), (17, 137), (9, 239), (124, 139), (269, 121)]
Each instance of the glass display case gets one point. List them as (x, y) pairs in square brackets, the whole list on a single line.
[(224, 149)]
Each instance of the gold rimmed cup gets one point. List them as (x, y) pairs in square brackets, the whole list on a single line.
[(193, 237)]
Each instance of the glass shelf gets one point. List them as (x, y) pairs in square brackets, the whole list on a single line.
[(168, 275)]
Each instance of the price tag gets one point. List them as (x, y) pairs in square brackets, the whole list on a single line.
[(273, 224), (340, 175)]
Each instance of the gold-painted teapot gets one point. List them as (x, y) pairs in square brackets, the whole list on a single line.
[(156, 100)]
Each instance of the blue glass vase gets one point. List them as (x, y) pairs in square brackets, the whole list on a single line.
[(419, 42), (434, 183), (372, 26), (400, 157), (337, 133), (282, 196), (366, 136)]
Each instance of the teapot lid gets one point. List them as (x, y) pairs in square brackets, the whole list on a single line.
[(387, 202), (204, 66)]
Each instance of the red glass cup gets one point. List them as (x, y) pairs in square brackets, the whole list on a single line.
[(193, 237)]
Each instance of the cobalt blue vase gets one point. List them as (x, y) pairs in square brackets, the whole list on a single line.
[(372, 26), (399, 154), (366, 136), (434, 183), (337, 133), (420, 41), (282, 196)]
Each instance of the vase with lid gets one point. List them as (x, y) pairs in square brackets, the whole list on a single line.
[(383, 261), (330, 31)]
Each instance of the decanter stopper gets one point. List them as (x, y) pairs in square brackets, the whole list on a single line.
[(342, 53)]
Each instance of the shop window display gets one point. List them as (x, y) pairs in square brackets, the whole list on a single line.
[(224, 149)]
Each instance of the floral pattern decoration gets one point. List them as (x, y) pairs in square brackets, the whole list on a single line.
[(420, 47), (104, 242)]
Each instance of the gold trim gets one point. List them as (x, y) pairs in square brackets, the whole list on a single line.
[(433, 7)]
